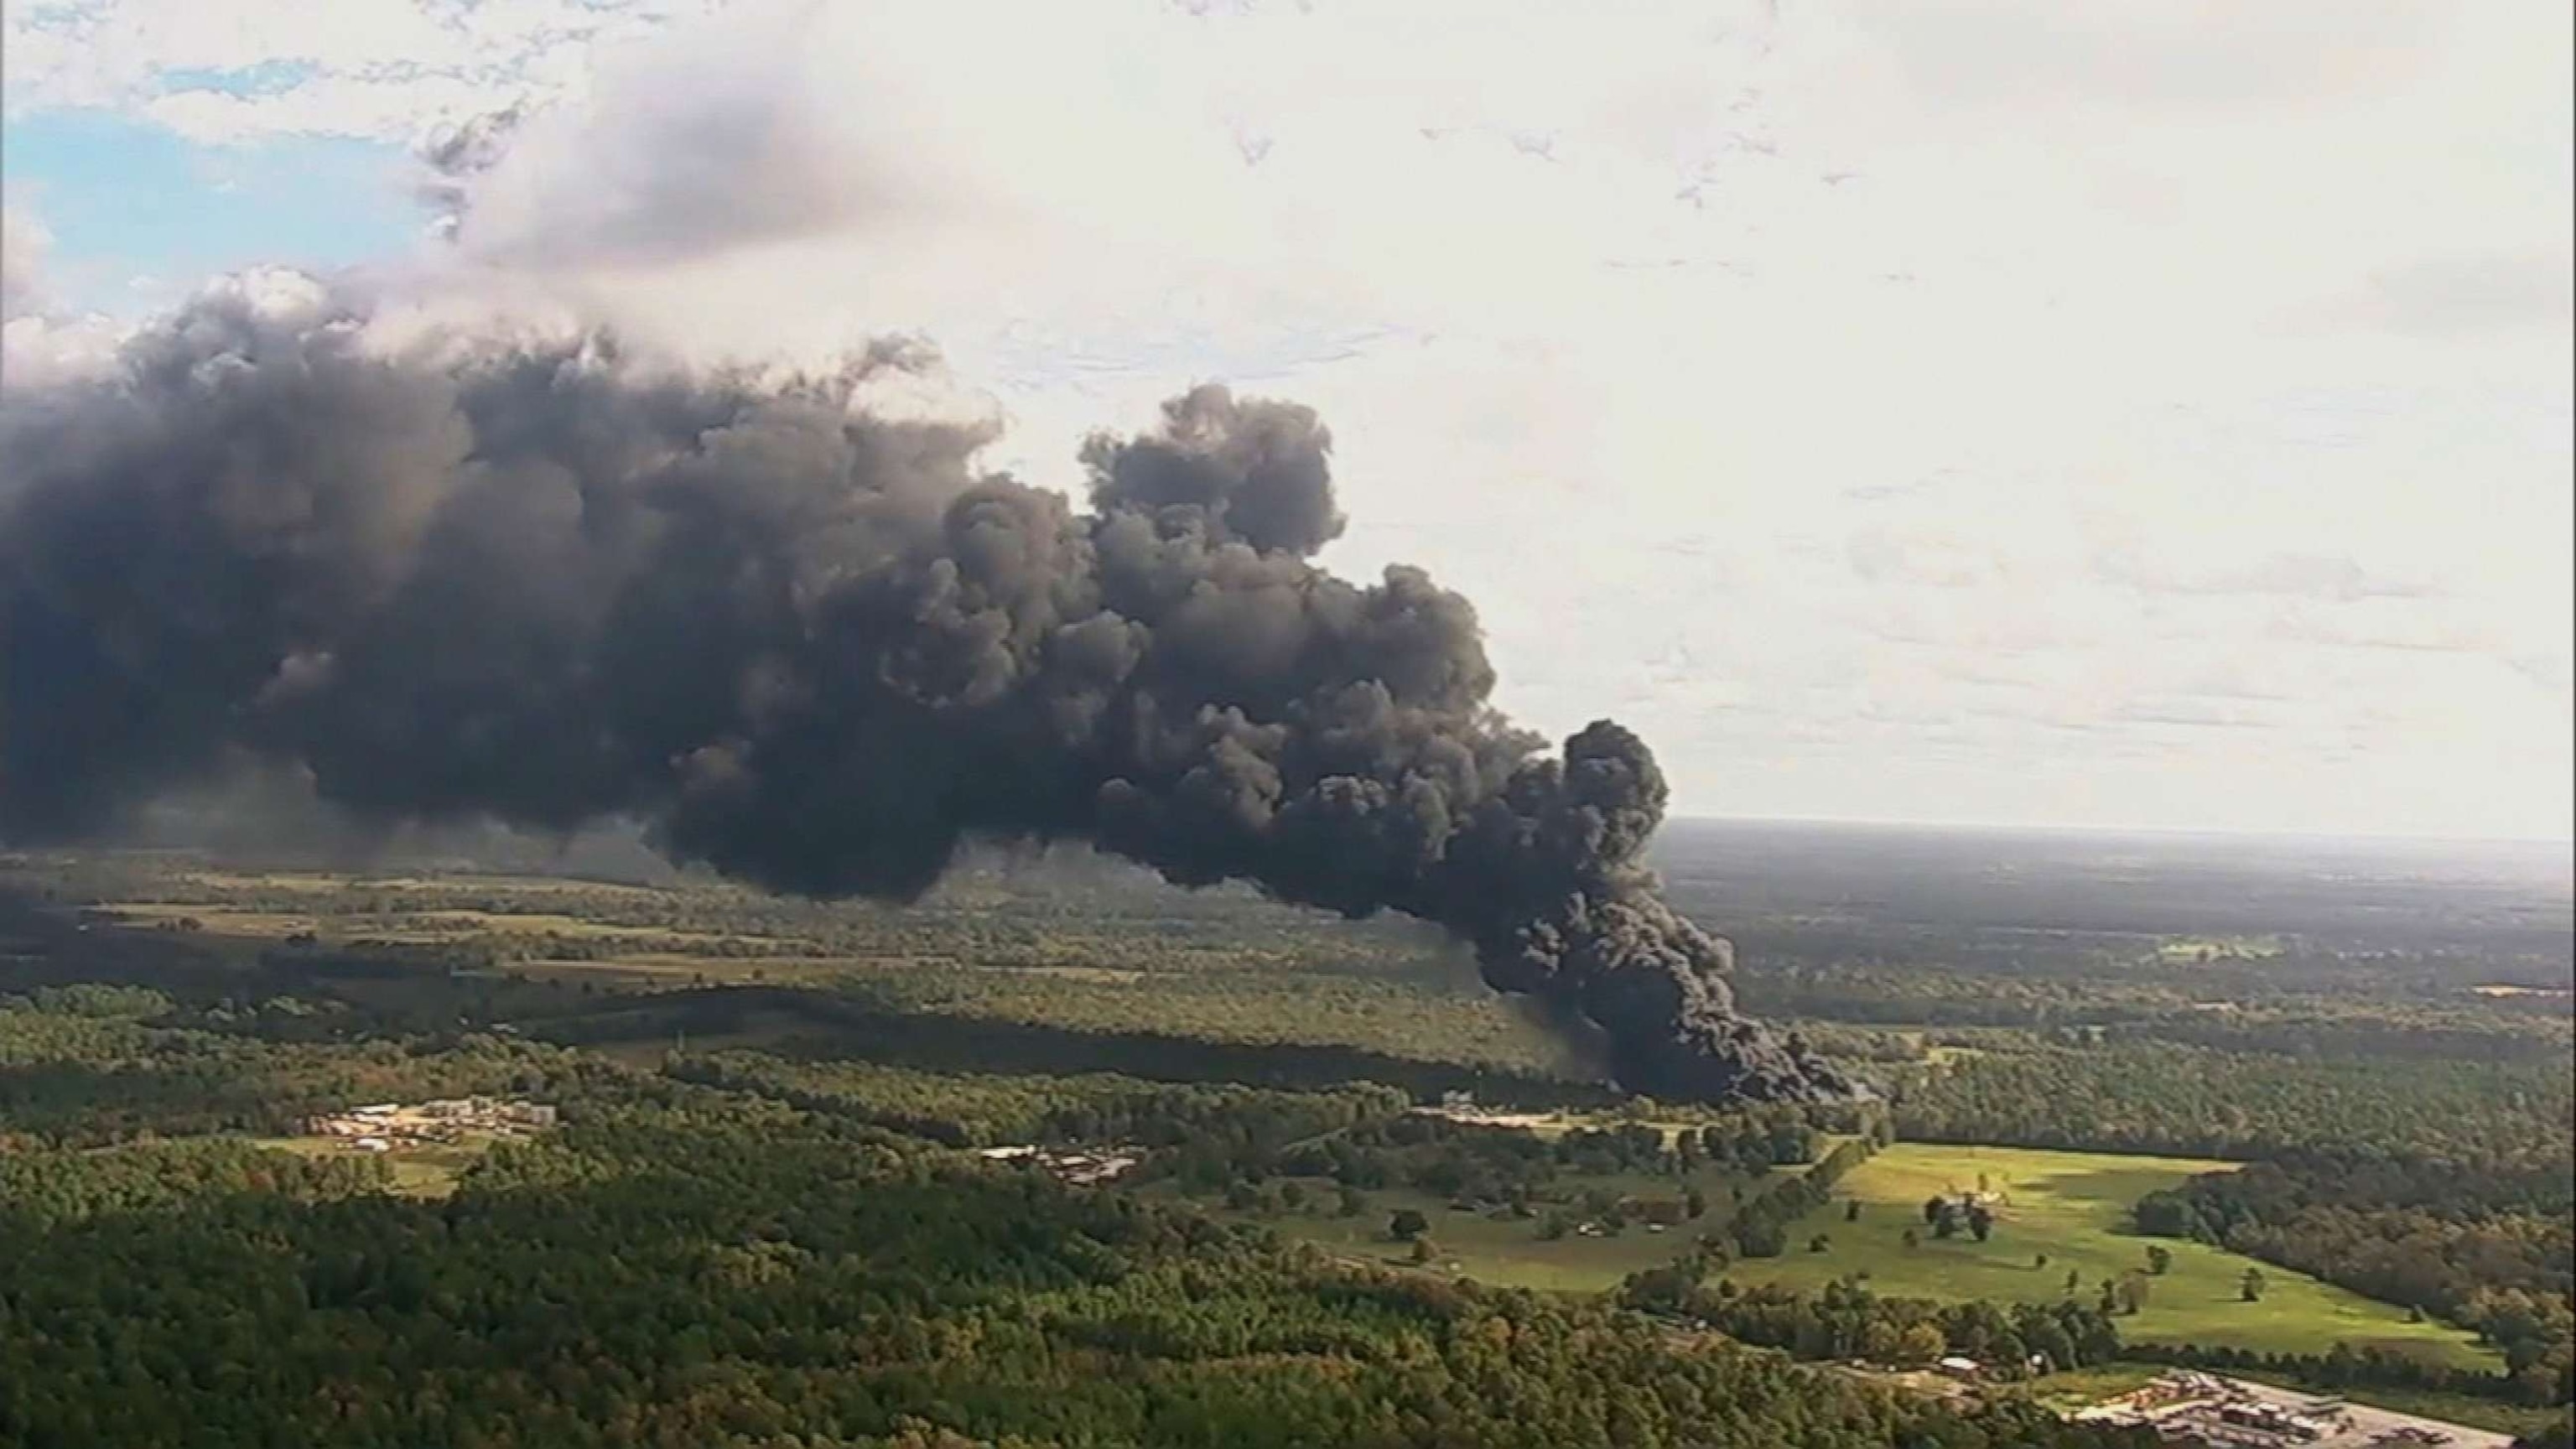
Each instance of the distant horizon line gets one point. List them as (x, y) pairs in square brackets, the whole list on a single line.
[(2192, 832)]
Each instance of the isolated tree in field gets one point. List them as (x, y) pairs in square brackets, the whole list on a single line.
[(1851, 1211), (1353, 1202), (2039, 1262), (2132, 1291), (2074, 1280), (1407, 1224), (1761, 1239), (1821, 1242), (1695, 1203), (1423, 1252), (2159, 1259), (1981, 1223), (1912, 1239), (1554, 1226), (2250, 1288), (1981, 1183)]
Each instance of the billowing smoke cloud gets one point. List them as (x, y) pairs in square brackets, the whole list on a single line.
[(801, 636)]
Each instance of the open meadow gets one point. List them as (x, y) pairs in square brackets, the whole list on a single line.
[(2071, 1208), (1498, 1249), (424, 1170)]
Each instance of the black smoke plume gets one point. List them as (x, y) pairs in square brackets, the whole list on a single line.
[(812, 647)]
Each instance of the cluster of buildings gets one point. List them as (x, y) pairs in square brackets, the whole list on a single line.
[(384, 1125), (2217, 1413), (1081, 1167)]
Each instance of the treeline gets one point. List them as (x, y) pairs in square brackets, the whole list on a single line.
[(1469, 1163), (688, 1267), (2493, 1249), (90, 1066), (1284, 1007), (2140, 1097), (1472, 1162), (43, 1186), (855, 1024), (1849, 1321), (2256, 1006), (2506, 1032), (986, 1110), (1760, 1228)]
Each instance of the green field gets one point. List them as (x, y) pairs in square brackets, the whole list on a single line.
[(419, 1170), (1506, 1252), (2073, 1207)]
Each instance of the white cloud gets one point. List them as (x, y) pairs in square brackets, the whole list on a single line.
[(242, 70), (39, 345), (1938, 412), (23, 243)]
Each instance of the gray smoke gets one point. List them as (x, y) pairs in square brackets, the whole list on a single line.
[(813, 648), (454, 156)]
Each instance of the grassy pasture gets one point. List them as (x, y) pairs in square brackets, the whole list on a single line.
[(419, 1169), (1504, 1251), (2073, 1207)]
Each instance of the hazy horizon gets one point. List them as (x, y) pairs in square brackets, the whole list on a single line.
[(2115, 830)]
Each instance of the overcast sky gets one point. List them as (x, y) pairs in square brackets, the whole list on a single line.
[(1952, 410)]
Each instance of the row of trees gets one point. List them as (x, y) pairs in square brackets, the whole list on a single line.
[(1847, 1320), (1760, 1228), (980, 1110)]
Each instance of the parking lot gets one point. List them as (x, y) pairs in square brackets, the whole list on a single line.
[(2205, 1409)]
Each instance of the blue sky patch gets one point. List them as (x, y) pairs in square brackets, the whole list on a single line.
[(141, 215), (268, 78)]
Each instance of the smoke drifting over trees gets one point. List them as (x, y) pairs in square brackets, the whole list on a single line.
[(805, 641)]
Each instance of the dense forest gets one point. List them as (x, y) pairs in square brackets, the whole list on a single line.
[(680, 1266), (765, 1221), (2195, 1101)]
